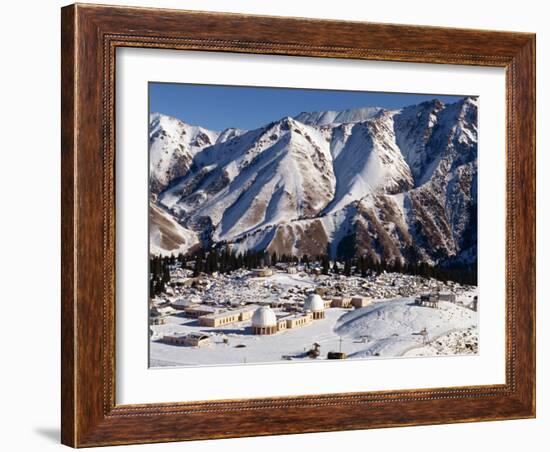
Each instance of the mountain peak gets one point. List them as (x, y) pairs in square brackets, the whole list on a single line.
[(287, 121), (229, 134), (172, 146)]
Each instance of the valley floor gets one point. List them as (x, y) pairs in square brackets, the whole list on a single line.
[(389, 327)]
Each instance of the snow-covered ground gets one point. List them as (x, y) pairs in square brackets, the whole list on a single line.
[(257, 348), (387, 328), (393, 328)]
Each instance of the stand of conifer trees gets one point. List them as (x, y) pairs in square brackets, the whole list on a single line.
[(222, 260)]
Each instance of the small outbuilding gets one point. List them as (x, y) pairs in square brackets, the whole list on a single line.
[(341, 302), (197, 311), (157, 320), (182, 304), (428, 300), (336, 355), (174, 338), (155, 317), (361, 302), (194, 339), (447, 296), (262, 272), (197, 339)]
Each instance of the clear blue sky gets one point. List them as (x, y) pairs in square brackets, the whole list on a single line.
[(218, 107)]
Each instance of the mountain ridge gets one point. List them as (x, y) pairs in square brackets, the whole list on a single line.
[(399, 185)]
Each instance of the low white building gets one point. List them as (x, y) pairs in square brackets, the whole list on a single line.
[(230, 316), (183, 303), (341, 302), (360, 302), (197, 339), (194, 339), (447, 296), (262, 272)]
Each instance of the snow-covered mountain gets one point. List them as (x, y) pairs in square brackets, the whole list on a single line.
[(165, 233), (172, 146), (323, 118), (397, 185)]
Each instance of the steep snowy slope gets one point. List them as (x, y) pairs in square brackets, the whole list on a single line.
[(229, 134), (166, 236), (278, 173), (437, 219), (430, 131), (172, 146), (366, 161)]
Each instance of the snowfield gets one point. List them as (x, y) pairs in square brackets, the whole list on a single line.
[(387, 328), (392, 328)]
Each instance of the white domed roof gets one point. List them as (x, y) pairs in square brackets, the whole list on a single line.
[(314, 303), (263, 317)]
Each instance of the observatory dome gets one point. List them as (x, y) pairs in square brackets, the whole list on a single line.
[(264, 317), (314, 303)]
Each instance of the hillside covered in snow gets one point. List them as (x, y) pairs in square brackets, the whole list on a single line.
[(394, 185), (386, 329)]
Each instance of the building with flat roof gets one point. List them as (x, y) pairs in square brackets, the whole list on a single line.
[(193, 339), (196, 339), (298, 319), (341, 302), (155, 317), (197, 311), (262, 272), (428, 300), (174, 338), (361, 302), (447, 296), (184, 303), (227, 317)]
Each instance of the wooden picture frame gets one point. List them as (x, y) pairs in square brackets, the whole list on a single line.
[(90, 36)]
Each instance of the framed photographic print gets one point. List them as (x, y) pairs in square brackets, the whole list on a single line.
[(281, 225)]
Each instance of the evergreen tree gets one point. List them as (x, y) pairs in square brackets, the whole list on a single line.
[(199, 266), (347, 267), (239, 261), (325, 263), (166, 273), (363, 266)]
